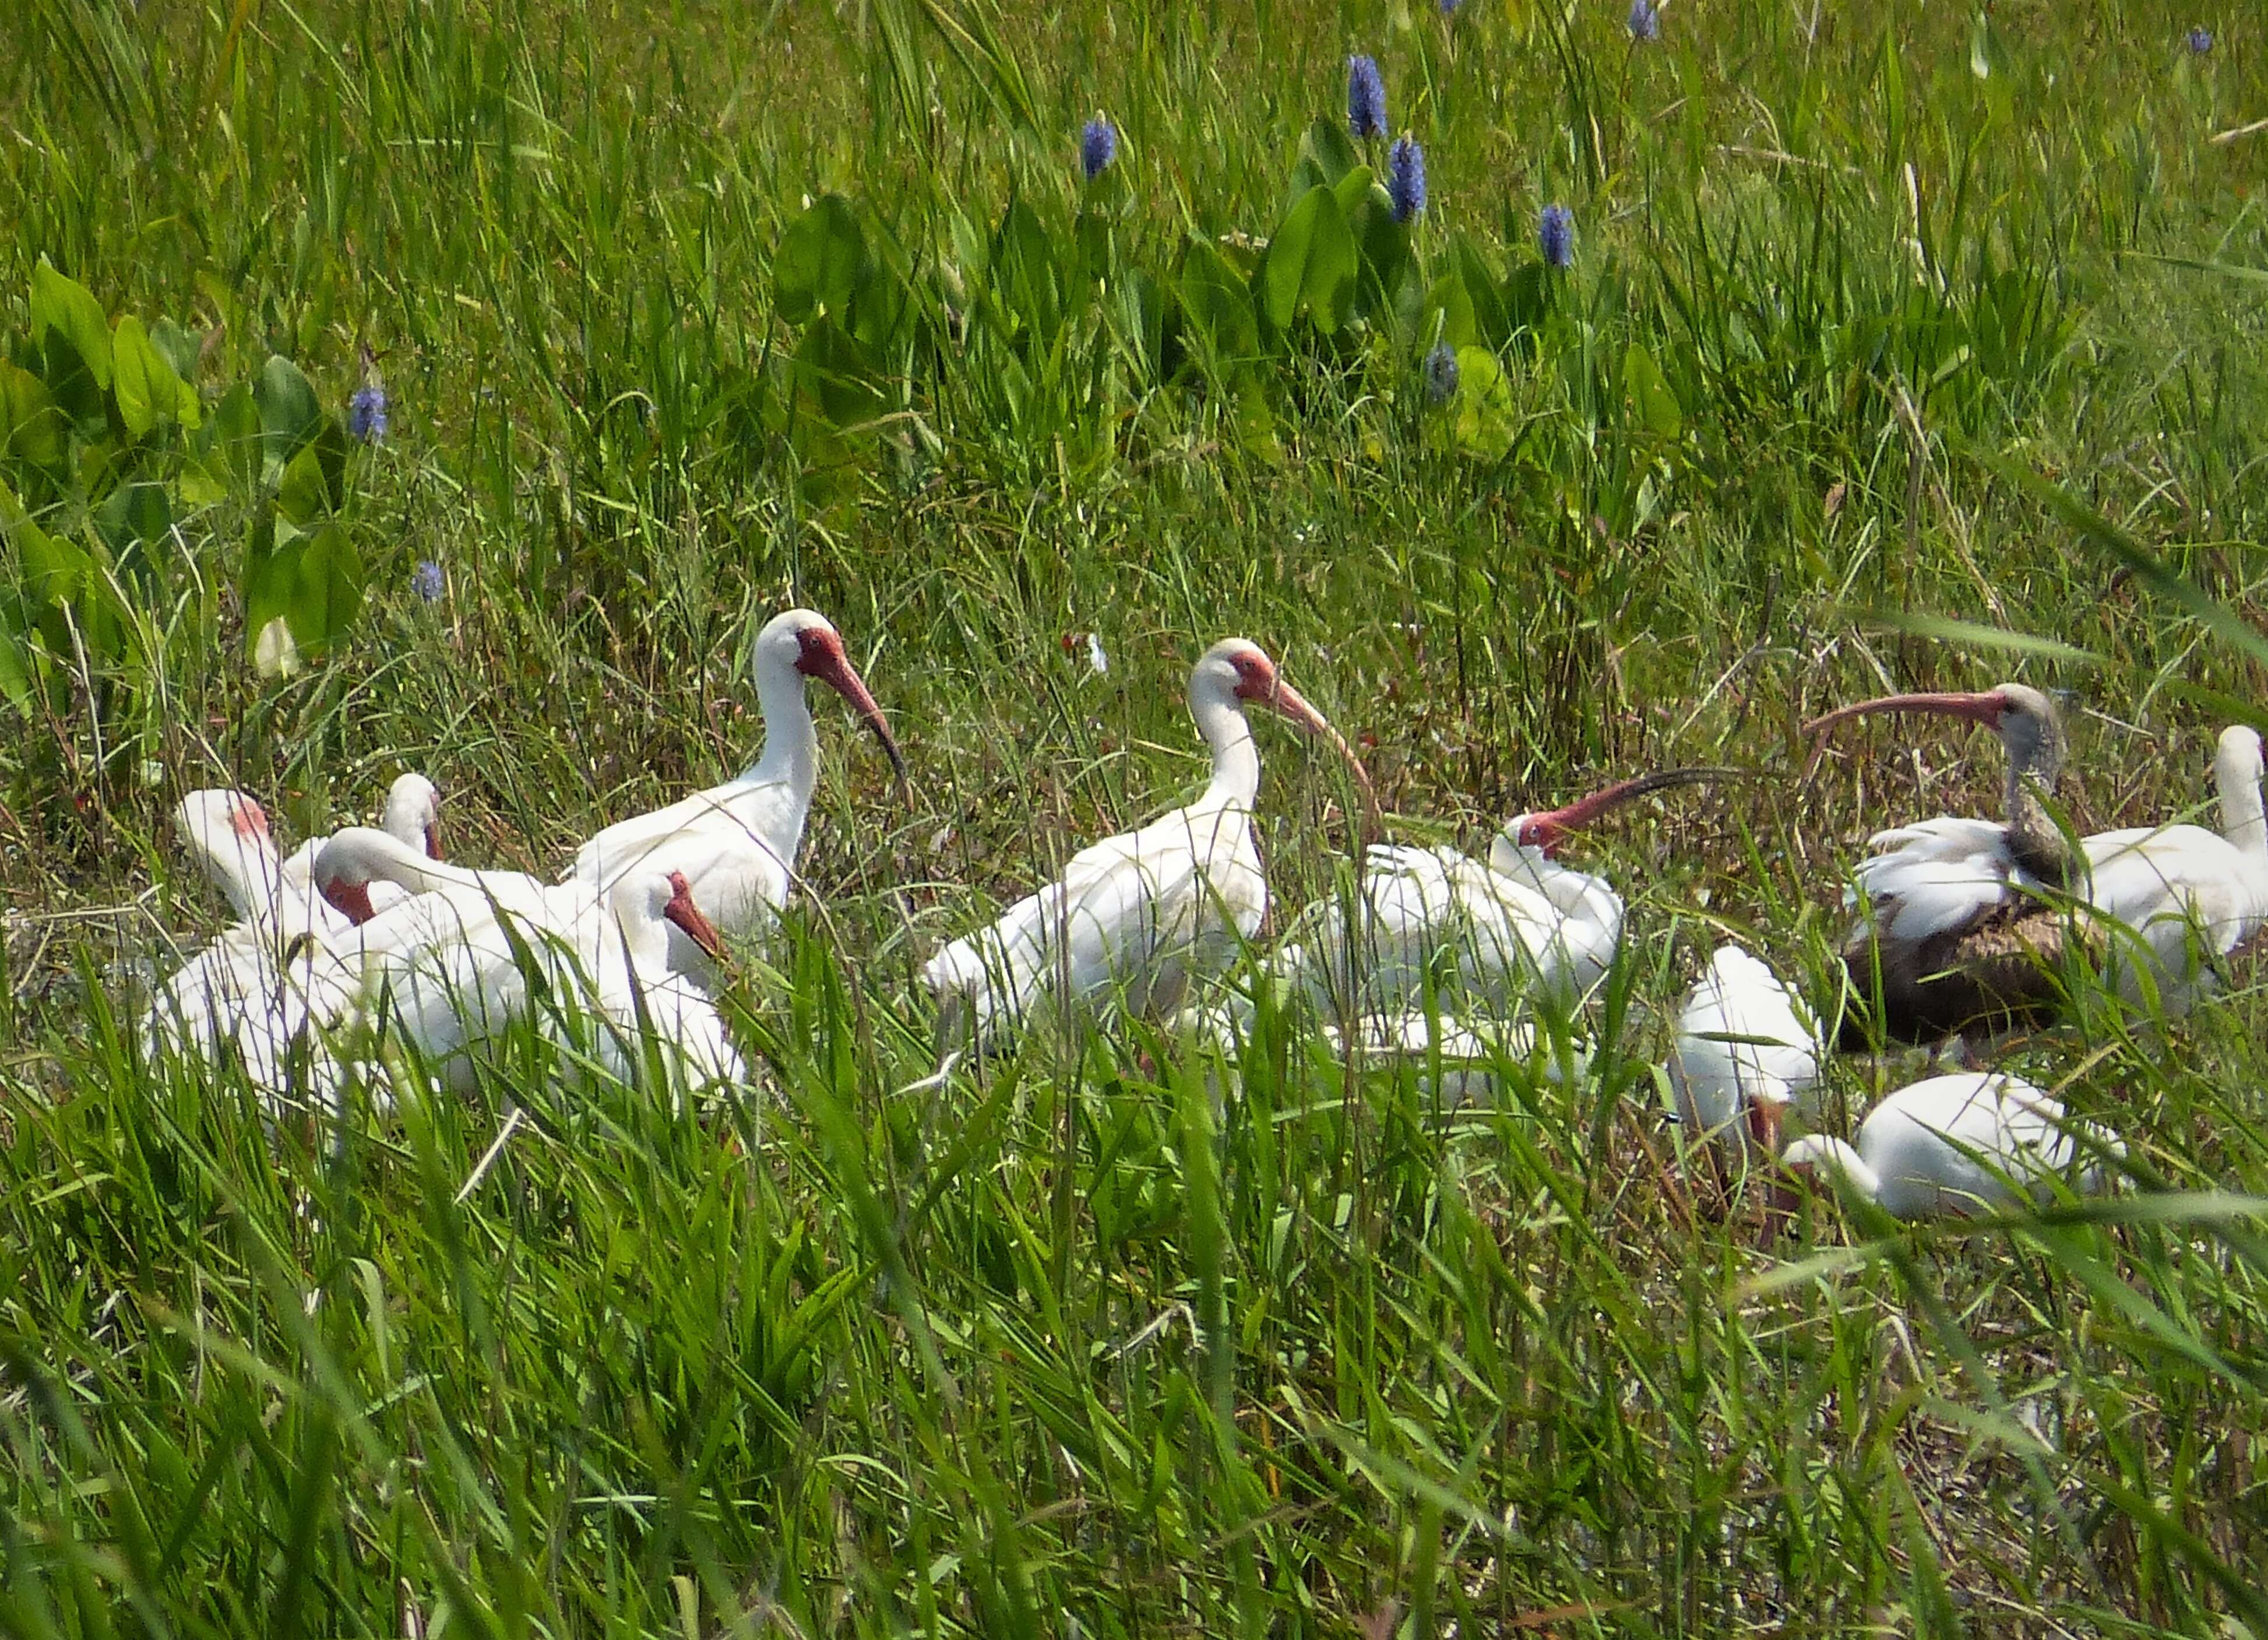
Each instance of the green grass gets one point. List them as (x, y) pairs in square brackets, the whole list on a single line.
[(1052, 1342)]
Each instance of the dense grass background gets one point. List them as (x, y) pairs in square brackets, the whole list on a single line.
[(1051, 1344)]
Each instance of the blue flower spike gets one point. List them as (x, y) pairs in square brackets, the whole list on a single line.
[(1366, 98), (1405, 178), (1098, 147), (1556, 236), (1440, 374)]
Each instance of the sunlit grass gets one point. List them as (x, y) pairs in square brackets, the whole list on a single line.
[(1055, 1337)]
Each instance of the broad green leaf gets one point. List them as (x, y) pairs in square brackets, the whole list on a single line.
[(68, 308), (1447, 315), (1489, 316), (289, 412), (54, 568), (315, 480), (147, 389), (236, 438), (15, 670), (818, 261), (1487, 420), (1310, 264), (33, 427), (1656, 406), (327, 588), (1331, 149), (1024, 271), (1218, 302), (134, 513), (178, 349), (197, 485), (270, 567)]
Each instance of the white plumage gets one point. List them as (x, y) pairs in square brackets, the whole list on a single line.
[(1959, 1145), (1139, 915), (1746, 1051), (736, 843)]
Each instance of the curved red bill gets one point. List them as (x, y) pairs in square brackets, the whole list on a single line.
[(433, 840), (1551, 829), (1983, 706), (836, 671), (681, 911), (1288, 702)]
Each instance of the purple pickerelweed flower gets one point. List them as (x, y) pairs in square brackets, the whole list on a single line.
[(2200, 41), (1098, 147), (1555, 234), (1441, 371), (1644, 20), (426, 581), (1405, 178), (367, 411), (1449, 7), (1366, 98)]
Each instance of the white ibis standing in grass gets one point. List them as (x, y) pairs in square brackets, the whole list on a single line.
[(736, 843), (1959, 1145), (1746, 1050), (1969, 919), (1141, 914), (2190, 895), (1520, 924)]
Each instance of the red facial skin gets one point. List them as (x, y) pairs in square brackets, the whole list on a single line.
[(248, 818), (351, 901), (1258, 685), (433, 840), (820, 655)]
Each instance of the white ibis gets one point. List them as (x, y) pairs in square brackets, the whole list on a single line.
[(601, 982), (444, 901), (1969, 918), (2192, 897), (1746, 1050), (736, 843), (1142, 913), (1957, 932), (412, 815), (1518, 924), (245, 996), (1960, 1146)]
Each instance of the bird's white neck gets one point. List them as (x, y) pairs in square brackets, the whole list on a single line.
[(1837, 1159), (1235, 756), (2242, 821), (360, 854), (791, 753)]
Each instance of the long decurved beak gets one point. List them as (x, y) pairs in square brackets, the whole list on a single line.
[(1548, 830), (841, 676), (1287, 702), (433, 840), (1983, 706), (681, 911)]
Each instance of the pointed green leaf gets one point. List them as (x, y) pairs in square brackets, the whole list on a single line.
[(818, 261), (236, 438), (1310, 263), (1655, 405), (32, 425), (327, 589), (178, 350), (68, 308), (289, 412), (147, 388), (314, 480)]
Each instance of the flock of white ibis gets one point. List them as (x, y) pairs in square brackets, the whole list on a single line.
[(367, 950)]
